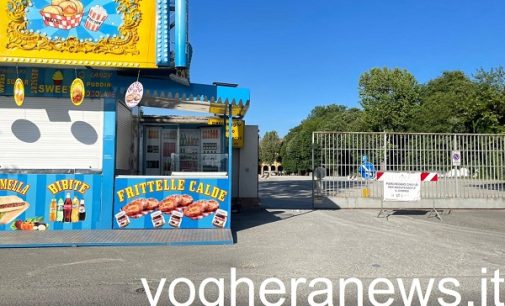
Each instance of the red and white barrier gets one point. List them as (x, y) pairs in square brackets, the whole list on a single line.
[(425, 176)]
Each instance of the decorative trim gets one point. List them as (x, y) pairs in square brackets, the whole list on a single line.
[(162, 39), (67, 62)]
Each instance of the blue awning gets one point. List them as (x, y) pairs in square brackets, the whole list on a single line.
[(195, 98)]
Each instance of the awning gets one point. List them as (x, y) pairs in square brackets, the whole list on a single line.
[(195, 98)]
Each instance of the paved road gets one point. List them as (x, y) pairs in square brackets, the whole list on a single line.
[(273, 242), (288, 192)]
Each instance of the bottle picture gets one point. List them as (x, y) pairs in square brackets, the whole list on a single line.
[(52, 210), (59, 211), (67, 209), (75, 210), (82, 211)]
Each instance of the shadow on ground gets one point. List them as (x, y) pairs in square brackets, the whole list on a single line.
[(257, 216), (286, 194), (280, 199)]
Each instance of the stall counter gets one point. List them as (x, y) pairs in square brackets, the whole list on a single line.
[(184, 200)]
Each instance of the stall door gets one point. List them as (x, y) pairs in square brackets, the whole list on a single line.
[(125, 148), (51, 134)]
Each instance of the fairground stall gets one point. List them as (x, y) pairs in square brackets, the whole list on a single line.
[(77, 151)]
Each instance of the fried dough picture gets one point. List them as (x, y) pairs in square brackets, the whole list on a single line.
[(53, 9), (135, 207), (57, 2), (169, 203), (185, 200), (78, 4), (194, 210), (211, 206), (151, 204), (69, 8)]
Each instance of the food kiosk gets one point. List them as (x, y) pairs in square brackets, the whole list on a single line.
[(68, 71)]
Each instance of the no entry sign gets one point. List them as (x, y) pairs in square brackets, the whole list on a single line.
[(456, 158)]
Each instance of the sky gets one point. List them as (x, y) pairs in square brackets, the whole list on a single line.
[(294, 55)]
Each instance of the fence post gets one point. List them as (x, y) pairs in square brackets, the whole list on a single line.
[(313, 165), (455, 147), (385, 152)]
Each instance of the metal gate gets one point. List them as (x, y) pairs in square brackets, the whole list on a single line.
[(469, 166)]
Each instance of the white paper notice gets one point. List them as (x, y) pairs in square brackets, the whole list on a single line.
[(399, 186)]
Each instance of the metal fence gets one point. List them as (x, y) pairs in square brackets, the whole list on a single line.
[(337, 158)]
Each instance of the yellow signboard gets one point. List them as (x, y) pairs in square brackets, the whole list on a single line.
[(237, 130), (105, 33)]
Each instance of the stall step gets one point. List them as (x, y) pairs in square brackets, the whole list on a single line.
[(21, 239)]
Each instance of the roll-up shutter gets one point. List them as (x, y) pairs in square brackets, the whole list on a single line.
[(51, 134)]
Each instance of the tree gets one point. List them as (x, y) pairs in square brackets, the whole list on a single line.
[(296, 150), (389, 98), (270, 146), (491, 96), (454, 103), (447, 104)]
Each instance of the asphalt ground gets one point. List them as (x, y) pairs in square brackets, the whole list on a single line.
[(283, 239)]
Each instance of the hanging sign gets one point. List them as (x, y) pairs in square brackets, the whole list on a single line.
[(134, 94), (19, 92), (77, 92)]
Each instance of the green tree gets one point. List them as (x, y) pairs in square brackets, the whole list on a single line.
[(389, 98), (454, 103), (270, 146), (448, 103), (491, 97), (296, 150)]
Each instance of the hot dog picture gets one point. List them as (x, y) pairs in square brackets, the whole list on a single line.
[(11, 207)]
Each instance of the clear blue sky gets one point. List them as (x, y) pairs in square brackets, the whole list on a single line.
[(294, 55)]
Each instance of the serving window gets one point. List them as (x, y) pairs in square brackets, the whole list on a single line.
[(175, 148)]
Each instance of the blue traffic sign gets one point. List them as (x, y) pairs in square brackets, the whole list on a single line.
[(366, 169)]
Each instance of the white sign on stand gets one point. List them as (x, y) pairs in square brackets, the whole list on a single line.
[(402, 186)]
